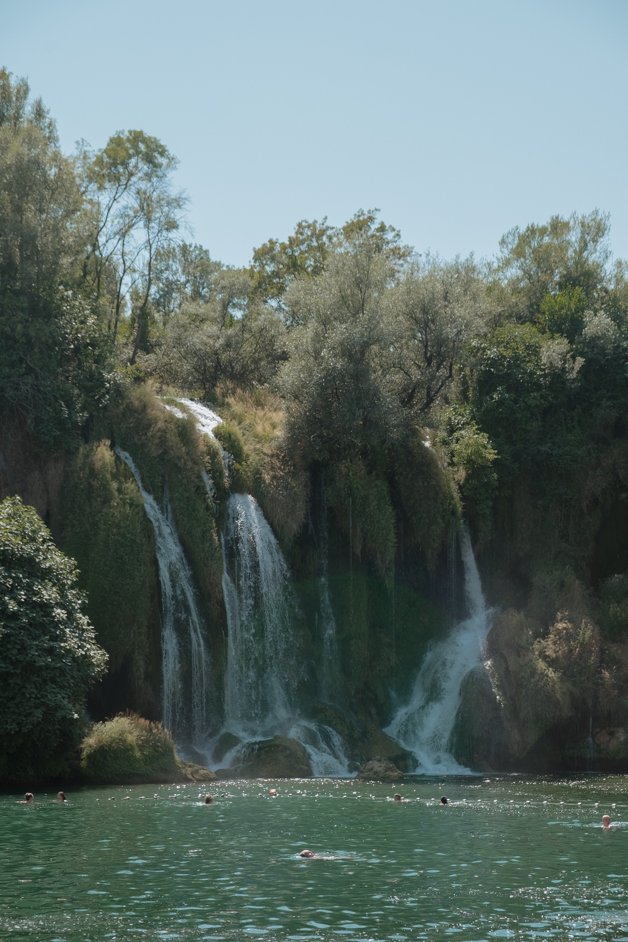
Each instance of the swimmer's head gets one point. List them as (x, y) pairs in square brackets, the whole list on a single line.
[(606, 820)]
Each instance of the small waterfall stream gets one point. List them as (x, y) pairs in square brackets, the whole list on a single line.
[(263, 657), (185, 658), (425, 724)]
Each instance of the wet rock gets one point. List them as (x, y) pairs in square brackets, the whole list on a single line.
[(380, 769), (279, 757)]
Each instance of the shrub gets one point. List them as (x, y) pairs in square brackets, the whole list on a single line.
[(48, 653), (128, 749)]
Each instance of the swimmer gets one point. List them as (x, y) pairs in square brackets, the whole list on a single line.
[(307, 853), (444, 800), (61, 797), (606, 821), (272, 793), (28, 799), (209, 799), (398, 798)]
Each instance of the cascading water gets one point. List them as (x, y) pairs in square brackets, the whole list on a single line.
[(185, 659), (206, 420), (263, 657), (424, 726)]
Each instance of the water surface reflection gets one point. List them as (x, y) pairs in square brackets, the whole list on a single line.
[(511, 858)]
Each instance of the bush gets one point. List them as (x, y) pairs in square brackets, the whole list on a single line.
[(48, 653), (613, 606), (128, 749)]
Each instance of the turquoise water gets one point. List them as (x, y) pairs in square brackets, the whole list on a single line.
[(515, 858)]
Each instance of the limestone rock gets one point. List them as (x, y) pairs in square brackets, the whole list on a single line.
[(381, 770), (279, 757)]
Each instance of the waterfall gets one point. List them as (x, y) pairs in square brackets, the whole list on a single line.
[(264, 660), (424, 726), (263, 656), (206, 420), (185, 659)]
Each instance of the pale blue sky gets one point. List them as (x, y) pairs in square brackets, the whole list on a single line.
[(458, 119)]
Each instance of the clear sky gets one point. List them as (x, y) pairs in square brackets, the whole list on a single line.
[(458, 119)]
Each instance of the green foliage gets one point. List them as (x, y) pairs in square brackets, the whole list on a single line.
[(543, 260), (429, 504), (472, 459), (277, 264), (207, 349), (572, 649), (363, 510), (136, 215), (613, 607), (128, 749), (231, 440), (105, 529), (49, 657), (563, 313), (55, 370), (172, 457)]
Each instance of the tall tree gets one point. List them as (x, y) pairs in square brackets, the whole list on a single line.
[(53, 362), (138, 216), (562, 254)]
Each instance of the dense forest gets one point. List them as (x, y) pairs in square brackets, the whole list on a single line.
[(388, 393)]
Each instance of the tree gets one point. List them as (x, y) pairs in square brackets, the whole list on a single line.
[(137, 216), (437, 309), (49, 657), (54, 365), (547, 259), (184, 273), (277, 264), (231, 341), (335, 384)]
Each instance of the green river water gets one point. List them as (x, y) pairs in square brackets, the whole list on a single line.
[(508, 858)]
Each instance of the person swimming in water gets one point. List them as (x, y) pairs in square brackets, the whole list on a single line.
[(61, 797), (606, 821), (28, 799), (209, 799), (306, 853)]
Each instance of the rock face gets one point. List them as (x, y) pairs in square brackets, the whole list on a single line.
[(279, 757)]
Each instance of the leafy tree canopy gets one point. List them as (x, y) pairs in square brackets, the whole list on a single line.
[(54, 363), (49, 657)]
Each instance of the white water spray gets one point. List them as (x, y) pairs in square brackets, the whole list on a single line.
[(424, 726), (264, 658), (185, 659), (206, 420)]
